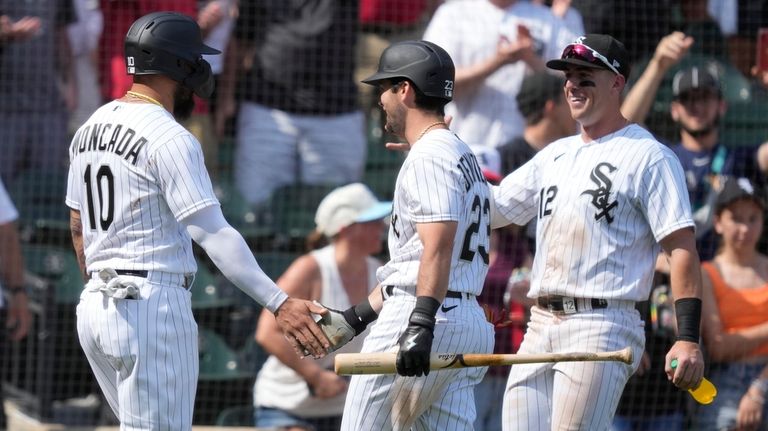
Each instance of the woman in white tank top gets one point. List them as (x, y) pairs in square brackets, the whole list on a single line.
[(291, 393)]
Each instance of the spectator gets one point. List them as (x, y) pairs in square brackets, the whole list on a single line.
[(14, 313), (697, 107), (735, 310), (84, 35), (494, 43), (382, 23), (541, 102), (119, 15), (302, 394), (298, 121), (698, 23), (37, 90), (640, 23), (507, 255)]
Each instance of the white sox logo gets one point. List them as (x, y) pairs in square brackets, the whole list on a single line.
[(602, 194)]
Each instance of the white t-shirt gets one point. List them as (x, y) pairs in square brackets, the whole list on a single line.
[(440, 180), (601, 208), (8, 214), (469, 30), (134, 174)]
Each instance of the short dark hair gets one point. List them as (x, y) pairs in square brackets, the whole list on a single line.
[(427, 103)]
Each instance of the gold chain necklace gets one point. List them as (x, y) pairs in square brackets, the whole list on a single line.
[(143, 97), (426, 129)]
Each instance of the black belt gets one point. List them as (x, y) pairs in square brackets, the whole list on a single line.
[(143, 273), (134, 272), (449, 294), (567, 304)]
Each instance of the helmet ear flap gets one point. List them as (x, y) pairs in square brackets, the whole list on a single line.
[(201, 79)]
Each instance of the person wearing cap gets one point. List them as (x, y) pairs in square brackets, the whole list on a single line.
[(301, 394), (735, 324), (547, 119), (606, 201), (697, 108), (439, 255), (494, 44)]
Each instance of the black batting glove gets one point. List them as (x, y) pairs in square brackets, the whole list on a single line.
[(416, 340)]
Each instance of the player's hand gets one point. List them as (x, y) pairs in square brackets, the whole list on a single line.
[(19, 318), (295, 319), (337, 328), (327, 384), (671, 49), (690, 365), (750, 414), (416, 345), (645, 364)]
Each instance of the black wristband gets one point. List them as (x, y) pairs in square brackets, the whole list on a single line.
[(688, 313), (360, 315), (424, 312)]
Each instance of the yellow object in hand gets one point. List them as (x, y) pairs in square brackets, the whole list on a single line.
[(705, 393)]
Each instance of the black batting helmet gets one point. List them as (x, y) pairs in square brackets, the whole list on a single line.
[(425, 64), (170, 44)]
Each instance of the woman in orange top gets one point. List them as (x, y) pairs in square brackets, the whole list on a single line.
[(735, 312)]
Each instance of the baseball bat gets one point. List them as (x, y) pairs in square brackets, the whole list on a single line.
[(384, 363)]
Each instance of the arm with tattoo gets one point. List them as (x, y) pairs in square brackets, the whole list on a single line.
[(76, 227)]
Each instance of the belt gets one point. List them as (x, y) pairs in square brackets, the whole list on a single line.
[(569, 305), (449, 294), (159, 277), (134, 272)]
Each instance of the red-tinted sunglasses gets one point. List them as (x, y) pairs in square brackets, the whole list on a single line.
[(583, 52)]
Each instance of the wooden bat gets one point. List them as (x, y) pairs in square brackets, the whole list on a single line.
[(384, 363)]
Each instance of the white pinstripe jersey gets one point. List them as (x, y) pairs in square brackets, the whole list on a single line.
[(440, 180), (601, 209), (134, 172)]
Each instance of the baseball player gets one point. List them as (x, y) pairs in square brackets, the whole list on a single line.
[(605, 202), (138, 192), (438, 245)]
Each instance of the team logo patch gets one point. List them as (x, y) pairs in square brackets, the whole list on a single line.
[(602, 194)]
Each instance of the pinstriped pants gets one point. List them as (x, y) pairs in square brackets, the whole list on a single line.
[(143, 353), (445, 399), (572, 395)]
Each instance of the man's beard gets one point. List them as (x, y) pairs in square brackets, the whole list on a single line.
[(396, 121), (183, 103), (704, 131)]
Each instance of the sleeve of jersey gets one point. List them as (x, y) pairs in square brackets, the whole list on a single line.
[(181, 171), (515, 200), (664, 197), (229, 252), (433, 190), (73, 192)]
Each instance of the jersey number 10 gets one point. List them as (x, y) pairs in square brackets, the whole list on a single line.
[(104, 179)]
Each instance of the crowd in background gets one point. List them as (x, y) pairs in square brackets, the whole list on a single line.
[(288, 110)]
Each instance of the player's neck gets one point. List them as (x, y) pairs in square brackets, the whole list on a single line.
[(147, 94), (603, 128), (420, 124), (699, 143)]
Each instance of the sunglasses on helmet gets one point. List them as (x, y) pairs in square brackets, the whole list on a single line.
[(583, 52)]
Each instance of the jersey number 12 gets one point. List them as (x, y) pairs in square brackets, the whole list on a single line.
[(104, 183)]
